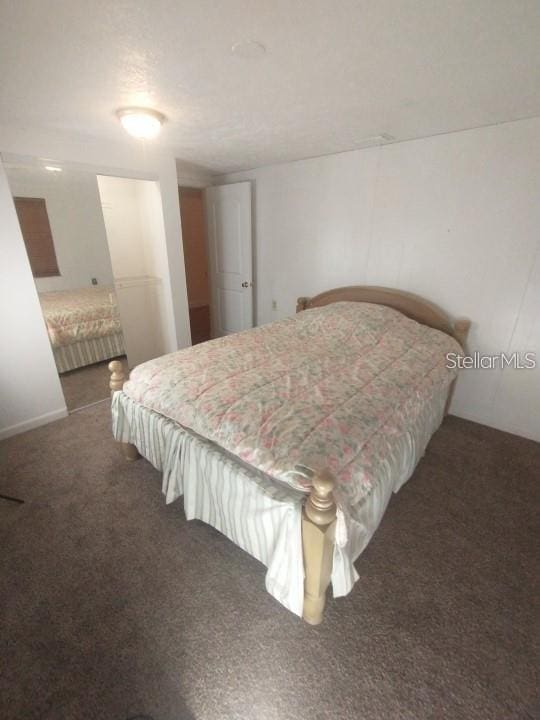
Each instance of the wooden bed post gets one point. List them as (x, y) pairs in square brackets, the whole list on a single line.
[(318, 532), (116, 382), (460, 330), (118, 378)]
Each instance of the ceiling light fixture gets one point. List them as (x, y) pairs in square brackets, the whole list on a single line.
[(142, 123), (53, 168)]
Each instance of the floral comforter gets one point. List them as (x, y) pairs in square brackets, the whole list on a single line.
[(82, 314), (332, 387)]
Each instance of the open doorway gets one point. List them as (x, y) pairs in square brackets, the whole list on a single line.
[(196, 262)]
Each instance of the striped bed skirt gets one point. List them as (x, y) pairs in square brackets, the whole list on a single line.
[(87, 352), (259, 515)]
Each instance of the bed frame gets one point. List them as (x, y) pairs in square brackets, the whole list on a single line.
[(319, 512)]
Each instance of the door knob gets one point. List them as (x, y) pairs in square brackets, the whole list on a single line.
[(245, 284)]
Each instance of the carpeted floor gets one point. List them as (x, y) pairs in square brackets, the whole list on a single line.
[(87, 385), (113, 605)]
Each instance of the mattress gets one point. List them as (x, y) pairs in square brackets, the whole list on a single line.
[(341, 387), (73, 316)]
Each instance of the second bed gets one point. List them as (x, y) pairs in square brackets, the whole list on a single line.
[(83, 326)]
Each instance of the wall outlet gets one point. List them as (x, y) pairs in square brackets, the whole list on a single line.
[(274, 304), (94, 281)]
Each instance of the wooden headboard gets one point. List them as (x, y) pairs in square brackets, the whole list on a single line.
[(413, 306)]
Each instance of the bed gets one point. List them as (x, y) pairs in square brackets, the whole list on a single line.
[(290, 438), (83, 326)]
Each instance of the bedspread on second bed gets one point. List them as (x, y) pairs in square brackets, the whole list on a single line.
[(339, 387), (82, 314)]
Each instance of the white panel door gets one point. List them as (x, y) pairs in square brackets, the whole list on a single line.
[(228, 211)]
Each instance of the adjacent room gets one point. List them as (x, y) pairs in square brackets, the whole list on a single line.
[(269, 376)]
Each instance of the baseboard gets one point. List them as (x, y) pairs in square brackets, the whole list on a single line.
[(523, 432), (33, 423)]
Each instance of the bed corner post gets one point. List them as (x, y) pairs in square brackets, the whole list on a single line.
[(117, 378), (461, 330), (116, 382), (318, 532), (302, 303)]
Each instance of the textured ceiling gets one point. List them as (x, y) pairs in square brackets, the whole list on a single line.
[(335, 72)]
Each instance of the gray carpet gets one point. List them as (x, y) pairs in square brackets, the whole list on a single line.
[(113, 605), (87, 385)]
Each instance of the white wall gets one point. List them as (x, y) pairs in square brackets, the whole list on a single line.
[(30, 391), (21, 325), (76, 220), (135, 234), (121, 213), (455, 218)]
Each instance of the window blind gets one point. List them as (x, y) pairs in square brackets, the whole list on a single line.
[(36, 232)]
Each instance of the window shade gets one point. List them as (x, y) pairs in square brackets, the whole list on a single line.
[(36, 232)]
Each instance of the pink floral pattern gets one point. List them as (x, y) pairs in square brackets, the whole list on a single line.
[(329, 387), (82, 314)]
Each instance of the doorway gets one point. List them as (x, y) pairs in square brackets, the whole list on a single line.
[(196, 262), (228, 211)]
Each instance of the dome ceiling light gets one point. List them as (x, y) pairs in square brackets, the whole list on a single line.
[(141, 123)]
